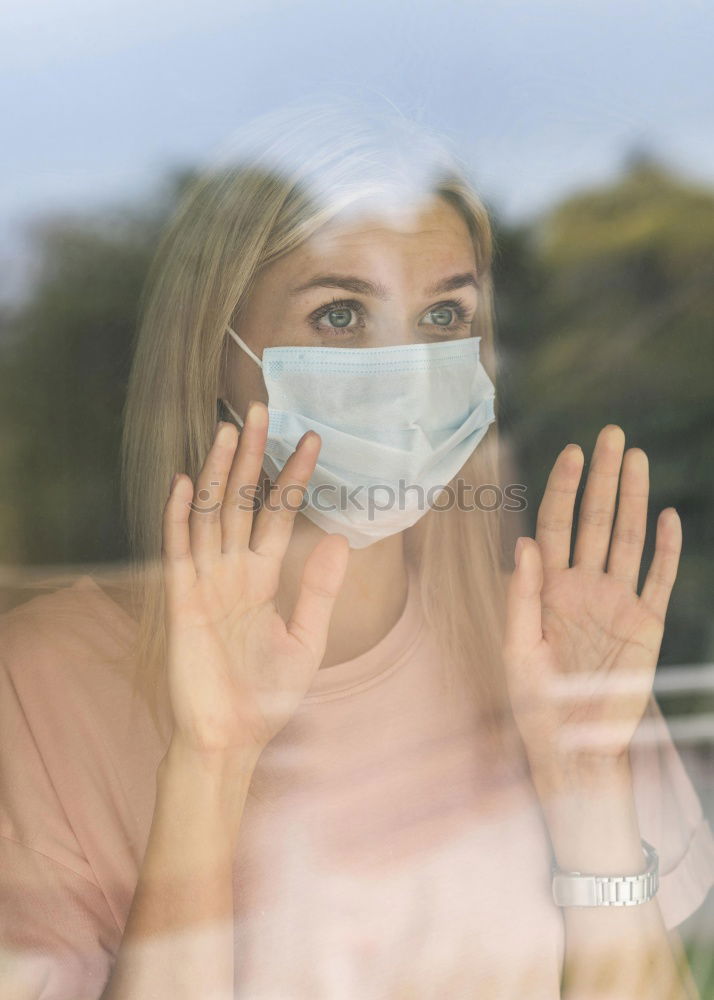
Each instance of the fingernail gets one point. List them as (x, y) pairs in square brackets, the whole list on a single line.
[(519, 549), (301, 440), (251, 410), (224, 432), (173, 482)]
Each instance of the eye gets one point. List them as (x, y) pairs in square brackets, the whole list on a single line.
[(338, 314), (451, 315), (345, 316)]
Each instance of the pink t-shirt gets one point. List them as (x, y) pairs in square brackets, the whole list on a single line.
[(387, 856)]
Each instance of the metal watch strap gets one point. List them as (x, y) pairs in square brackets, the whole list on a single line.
[(577, 889)]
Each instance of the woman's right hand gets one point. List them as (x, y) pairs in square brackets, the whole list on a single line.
[(236, 671)]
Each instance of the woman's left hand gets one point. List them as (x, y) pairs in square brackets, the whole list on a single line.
[(580, 645)]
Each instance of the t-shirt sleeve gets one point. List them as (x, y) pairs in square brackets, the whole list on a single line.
[(671, 818), (57, 931), (53, 929)]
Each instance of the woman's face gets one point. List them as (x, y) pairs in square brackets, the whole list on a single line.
[(360, 283)]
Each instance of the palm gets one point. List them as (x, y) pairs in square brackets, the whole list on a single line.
[(254, 669), (581, 646), (237, 671)]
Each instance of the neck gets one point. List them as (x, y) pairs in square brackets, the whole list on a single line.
[(371, 598)]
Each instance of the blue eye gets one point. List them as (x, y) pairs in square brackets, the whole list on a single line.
[(449, 315), (345, 316), (338, 316), (442, 317)]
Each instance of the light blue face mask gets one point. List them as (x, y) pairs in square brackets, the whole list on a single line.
[(396, 423)]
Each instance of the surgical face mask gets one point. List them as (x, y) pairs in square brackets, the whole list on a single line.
[(396, 424)]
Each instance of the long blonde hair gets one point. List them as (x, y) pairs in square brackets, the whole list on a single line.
[(295, 169)]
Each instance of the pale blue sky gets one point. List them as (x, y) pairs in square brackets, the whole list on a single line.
[(98, 100)]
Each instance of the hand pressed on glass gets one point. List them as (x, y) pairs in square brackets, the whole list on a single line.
[(581, 646), (236, 670)]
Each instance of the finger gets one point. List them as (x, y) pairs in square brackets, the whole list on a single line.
[(322, 578), (177, 561), (274, 523), (665, 562), (523, 629), (598, 504), (205, 508), (628, 536), (554, 525), (238, 507)]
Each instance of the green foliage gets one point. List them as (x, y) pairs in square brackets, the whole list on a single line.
[(608, 319), (66, 357)]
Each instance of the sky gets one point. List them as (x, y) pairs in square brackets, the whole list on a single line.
[(99, 101)]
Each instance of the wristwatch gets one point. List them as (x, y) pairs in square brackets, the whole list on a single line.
[(577, 889)]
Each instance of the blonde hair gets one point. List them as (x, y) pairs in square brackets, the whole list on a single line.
[(295, 169)]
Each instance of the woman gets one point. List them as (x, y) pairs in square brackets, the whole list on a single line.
[(355, 750)]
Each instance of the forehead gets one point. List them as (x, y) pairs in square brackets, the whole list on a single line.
[(431, 231)]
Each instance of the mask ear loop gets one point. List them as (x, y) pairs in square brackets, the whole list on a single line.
[(244, 347), (233, 413)]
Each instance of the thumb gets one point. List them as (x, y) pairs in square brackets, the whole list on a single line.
[(322, 579), (523, 607)]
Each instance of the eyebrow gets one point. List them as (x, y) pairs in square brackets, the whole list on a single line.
[(362, 287)]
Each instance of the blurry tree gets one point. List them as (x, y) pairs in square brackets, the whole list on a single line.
[(606, 316), (64, 362)]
